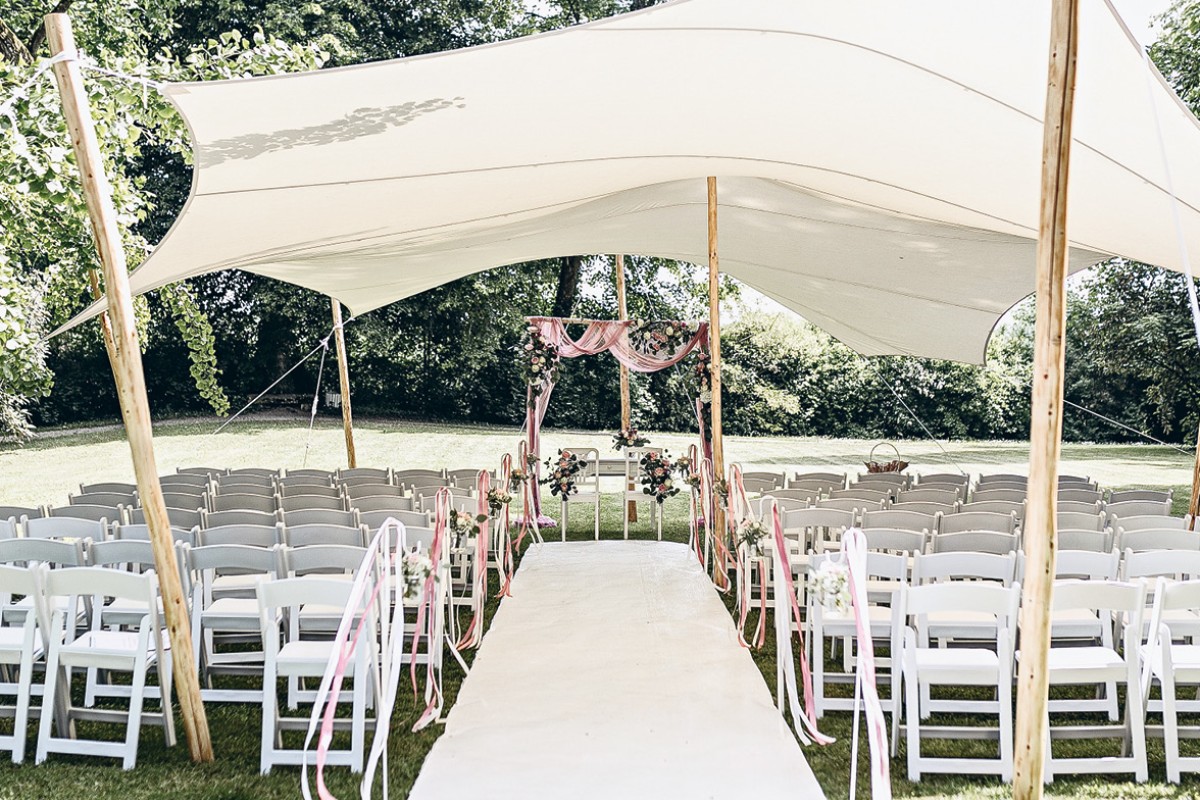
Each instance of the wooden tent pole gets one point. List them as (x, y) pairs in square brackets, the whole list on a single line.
[(714, 343), (1045, 430), (339, 336), (1194, 505), (130, 380), (626, 411)]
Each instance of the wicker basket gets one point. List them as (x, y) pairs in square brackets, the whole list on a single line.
[(895, 465)]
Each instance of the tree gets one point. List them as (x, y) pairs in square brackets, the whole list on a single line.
[(47, 259)]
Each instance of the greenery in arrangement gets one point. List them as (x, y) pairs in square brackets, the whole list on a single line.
[(464, 525), (539, 362), (658, 337), (497, 499), (657, 475), (751, 533), (629, 437), (562, 473)]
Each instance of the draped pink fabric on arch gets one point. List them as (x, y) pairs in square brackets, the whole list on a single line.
[(600, 336)]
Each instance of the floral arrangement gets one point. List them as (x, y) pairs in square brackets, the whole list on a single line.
[(830, 585), (693, 480), (563, 471), (629, 437), (516, 479), (657, 469), (464, 525), (657, 337), (415, 568), (531, 460), (497, 499), (751, 533), (539, 362), (721, 492), (704, 376)]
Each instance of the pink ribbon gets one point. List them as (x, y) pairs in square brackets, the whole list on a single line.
[(506, 559), (854, 550), (425, 614), (805, 720), (474, 632), (739, 512)]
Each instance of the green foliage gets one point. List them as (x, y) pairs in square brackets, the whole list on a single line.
[(196, 331)]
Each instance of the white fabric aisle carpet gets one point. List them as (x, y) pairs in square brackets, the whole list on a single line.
[(614, 672)]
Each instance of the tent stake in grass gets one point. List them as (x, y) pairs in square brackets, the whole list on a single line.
[(1045, 430), (339, 336), (714, 344), (131, 382), (626, 411)]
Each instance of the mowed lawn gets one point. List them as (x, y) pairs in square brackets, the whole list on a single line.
[(48, 469)]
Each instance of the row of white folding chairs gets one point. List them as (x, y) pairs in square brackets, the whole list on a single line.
[(983, 615), (114, 602)]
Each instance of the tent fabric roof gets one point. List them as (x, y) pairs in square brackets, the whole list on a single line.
[(878, 163)]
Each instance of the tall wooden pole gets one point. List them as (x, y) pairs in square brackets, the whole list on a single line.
[(339, 336), (626, 411), (131, 382), (714, 343), (1045, 430), (1194, 505)]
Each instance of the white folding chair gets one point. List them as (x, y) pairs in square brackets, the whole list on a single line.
[(23, 635), (831, 624), (1172, 657), (587, 485), (982, 664), (1101, 665), (1166, 539), (134, 651), (280, 605), (975, 542), (224, 611), (633, 472)]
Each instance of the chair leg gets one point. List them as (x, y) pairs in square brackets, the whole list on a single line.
[(137, 694), (1170, 714), (21, 717), (913, 730), (1135, 720), (1110, 697), (270, 710), (658, 515), (358, 731), (166, 682), (1004, 695), (596, 516), (49, 698), (625, 515), (562, 530)]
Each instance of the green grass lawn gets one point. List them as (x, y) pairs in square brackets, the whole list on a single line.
[(48, 469)]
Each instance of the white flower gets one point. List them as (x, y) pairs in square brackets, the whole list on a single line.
[(706, 396), (831, 586), (414, 569)]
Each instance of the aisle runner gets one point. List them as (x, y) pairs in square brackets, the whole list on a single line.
[(614, 671)]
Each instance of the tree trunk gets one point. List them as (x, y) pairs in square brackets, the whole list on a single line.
[(12, 49), (568, 285)]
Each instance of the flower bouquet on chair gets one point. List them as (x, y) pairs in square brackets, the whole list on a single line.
[(657, 472), (562, 473)]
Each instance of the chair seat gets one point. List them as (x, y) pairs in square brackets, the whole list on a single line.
[(1185, 658), (231, 613), (958, 666), (240, 584), (1075, 623), (1064, 662), (12, 644), (306, 658), (107, 645)]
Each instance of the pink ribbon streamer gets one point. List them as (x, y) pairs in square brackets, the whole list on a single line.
[(506, 559), (474, 633), (720, 551), (740, 511), (425, 613), (854, 550), (805, 721)]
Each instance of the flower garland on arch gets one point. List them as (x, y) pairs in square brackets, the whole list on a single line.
[(641, 346)]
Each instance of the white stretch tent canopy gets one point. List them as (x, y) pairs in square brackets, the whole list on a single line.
[(878, 161)]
